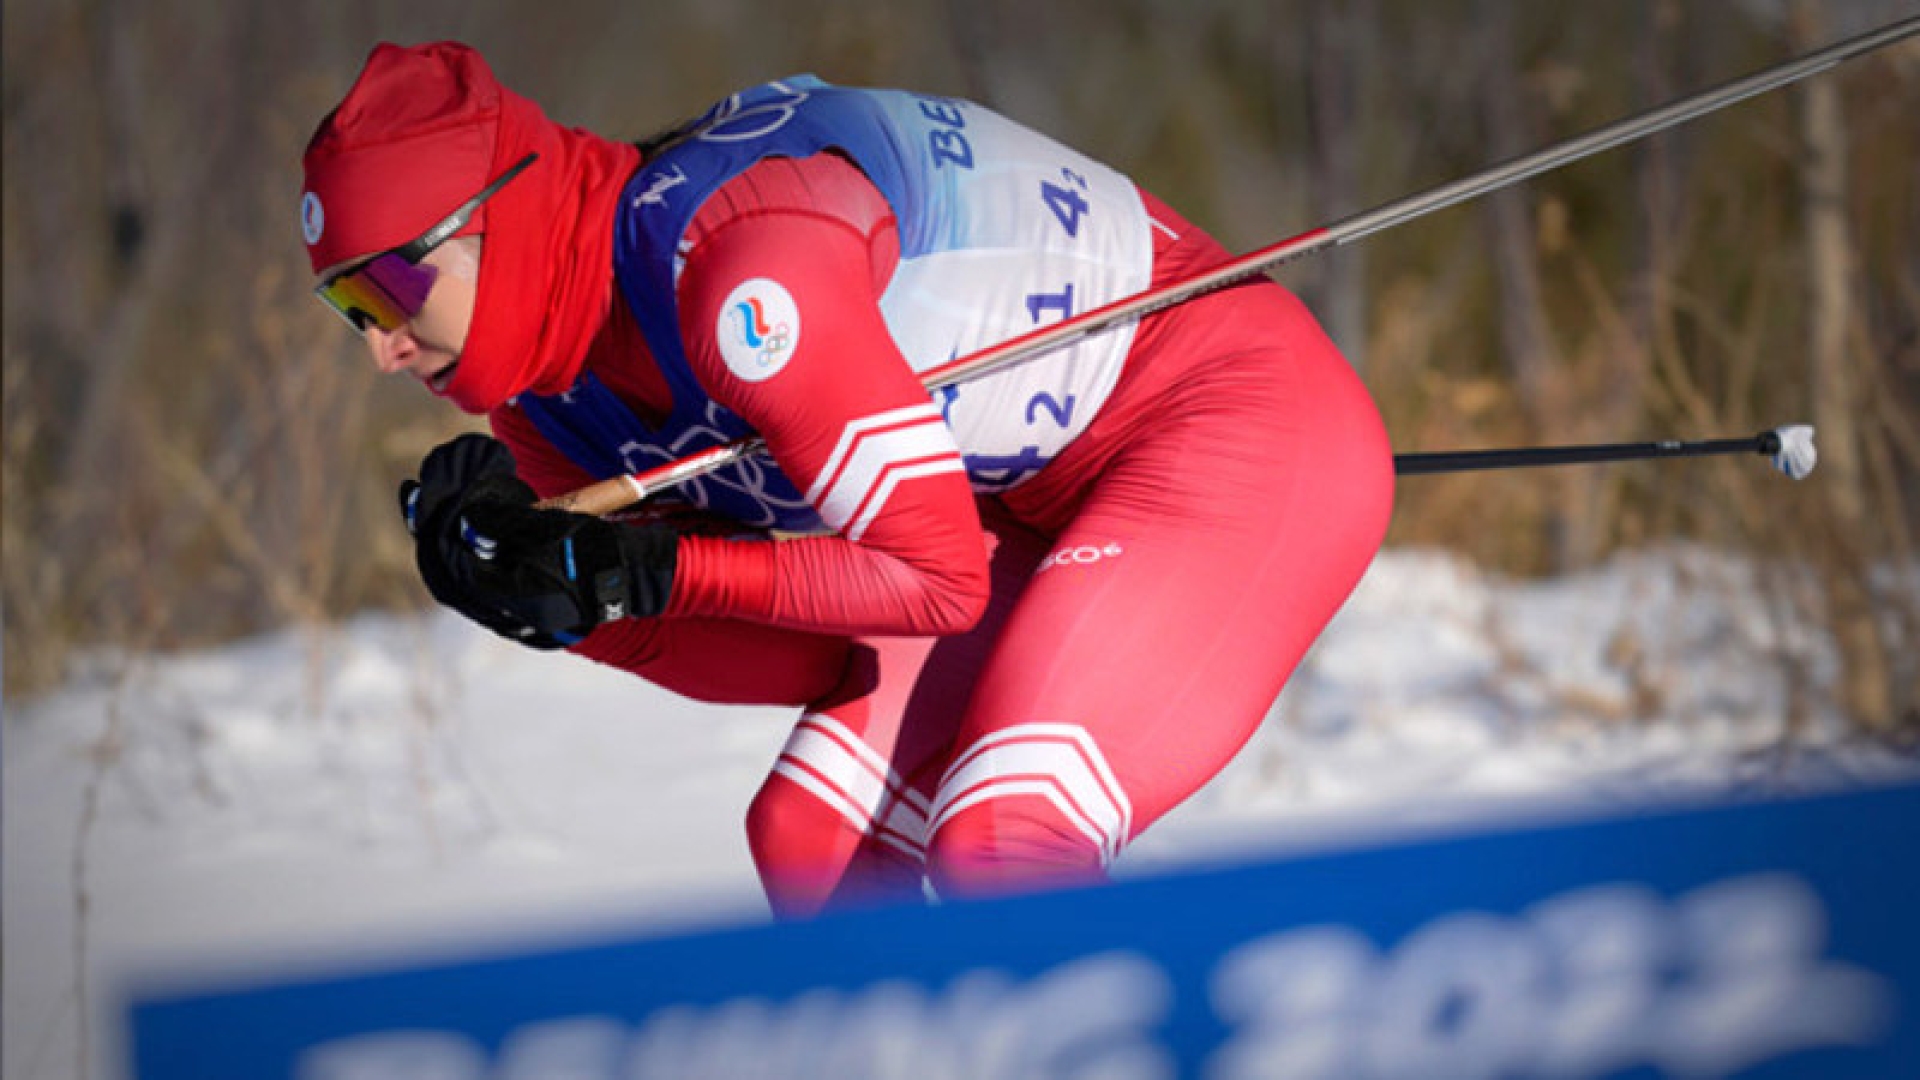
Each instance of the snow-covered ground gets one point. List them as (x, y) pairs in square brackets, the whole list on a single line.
[(418, 785)]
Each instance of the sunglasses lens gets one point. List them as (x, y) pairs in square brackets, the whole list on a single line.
[(386, 292)]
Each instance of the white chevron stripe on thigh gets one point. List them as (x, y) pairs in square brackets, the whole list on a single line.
[(1057, 762), (837, 767)]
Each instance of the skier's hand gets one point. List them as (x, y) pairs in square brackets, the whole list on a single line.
[(543, 578), (564, 573), (467, 468)]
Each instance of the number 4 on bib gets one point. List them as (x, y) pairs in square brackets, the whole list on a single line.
[(1066, 203)]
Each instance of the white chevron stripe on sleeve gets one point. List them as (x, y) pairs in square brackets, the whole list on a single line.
[(852, 484), (891, 478), (853, 432)]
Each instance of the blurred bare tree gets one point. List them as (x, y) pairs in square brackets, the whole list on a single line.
[(194, 450)]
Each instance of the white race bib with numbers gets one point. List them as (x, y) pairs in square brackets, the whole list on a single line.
[(1014, 232)]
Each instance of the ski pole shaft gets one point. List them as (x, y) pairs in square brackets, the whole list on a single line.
[(1421, 464), (610, 495)]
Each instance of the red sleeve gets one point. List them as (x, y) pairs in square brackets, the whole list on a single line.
[(779, 309), (725, 661)]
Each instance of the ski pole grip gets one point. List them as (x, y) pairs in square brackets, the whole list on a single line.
[(599, 499), (620, 492)]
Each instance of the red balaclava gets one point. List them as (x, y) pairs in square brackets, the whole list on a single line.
[(422, 130)]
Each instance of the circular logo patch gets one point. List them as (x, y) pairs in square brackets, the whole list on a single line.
[(759, 329), (313, 218)]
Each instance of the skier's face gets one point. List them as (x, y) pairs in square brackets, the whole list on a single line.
[(428, 345), (413, 304)]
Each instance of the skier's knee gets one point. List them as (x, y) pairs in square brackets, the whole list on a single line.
[(811, 856), (799, 844), (1010, 844)]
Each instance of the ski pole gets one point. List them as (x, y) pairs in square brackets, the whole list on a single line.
[(610, 495), (1790, 448)]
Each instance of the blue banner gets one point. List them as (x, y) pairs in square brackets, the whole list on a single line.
[(1776, 939)]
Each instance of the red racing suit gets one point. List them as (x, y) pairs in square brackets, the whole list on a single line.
[(1001, 688)]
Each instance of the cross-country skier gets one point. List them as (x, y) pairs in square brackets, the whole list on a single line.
[(1025, 616)]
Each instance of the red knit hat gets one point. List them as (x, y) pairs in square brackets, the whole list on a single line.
[(411, 141)]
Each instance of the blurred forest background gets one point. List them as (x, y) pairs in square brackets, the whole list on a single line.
[(194, 449)]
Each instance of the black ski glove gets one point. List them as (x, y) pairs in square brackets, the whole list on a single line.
[(543, 578)]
